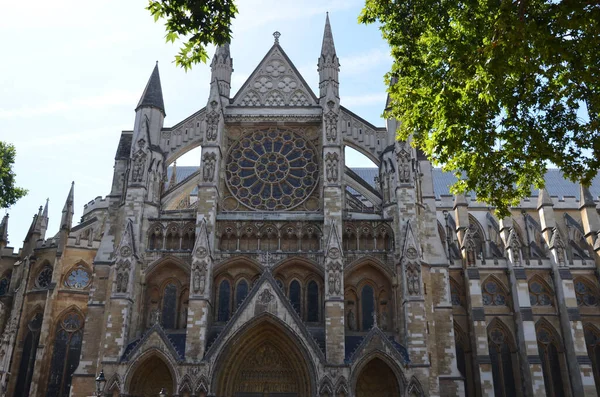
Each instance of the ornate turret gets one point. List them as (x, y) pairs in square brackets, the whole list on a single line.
[(328, 65), (152, 96), (221, 68)]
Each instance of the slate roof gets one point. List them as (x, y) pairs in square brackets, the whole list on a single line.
[(124, 148), (152, 96)]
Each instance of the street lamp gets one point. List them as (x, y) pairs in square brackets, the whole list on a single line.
[(163, 392), (100, 383)]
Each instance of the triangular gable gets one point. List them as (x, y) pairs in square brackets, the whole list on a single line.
[(267, 298), (377, 340), (275, 83), (154, 337)]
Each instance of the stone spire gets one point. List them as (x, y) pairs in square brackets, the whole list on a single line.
[(4, 232), (221, 68), (585, 197), (328, 64), (152, 96), (44, 221), (67, 213)]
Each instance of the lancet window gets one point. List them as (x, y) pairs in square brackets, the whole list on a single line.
[(30, 345), (223, 309), (241, 291), (502, 362), (65, 357), (367, 307), (456, 295), (189, 237), (550, 353), (173, 240), (296, 296), (155, 237)]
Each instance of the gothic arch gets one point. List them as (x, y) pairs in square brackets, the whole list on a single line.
[(368, 260), (377, 356), (326, 388), (498, 296), (540, 291), (185, 385), (414, 389), (281, 267), (166, 260), (554, 365), (113, 386), (142, 360), (586, 292), (83, 265), (241, 260), (478, 235), (264, 334)]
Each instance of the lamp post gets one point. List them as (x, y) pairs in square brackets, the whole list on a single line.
[(448, 241), (163, 392), (100, 383)]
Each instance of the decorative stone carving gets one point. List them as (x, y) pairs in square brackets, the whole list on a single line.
[(122, 279), (154, 317), (557, 244), (212, 122), (332, 166), (265, 296), (404, 164), (515, 247), (331, 120), (208, 167), (139, 160), (334, 278), (413, 278), (265, 302)]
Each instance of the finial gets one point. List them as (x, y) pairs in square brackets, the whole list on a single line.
[(277, 35), (156, 63)]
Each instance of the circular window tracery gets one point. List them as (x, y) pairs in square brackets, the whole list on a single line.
[(78, 278), (272, 169), (44, 278)]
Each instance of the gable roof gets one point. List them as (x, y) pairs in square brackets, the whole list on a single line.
[(274, 83)]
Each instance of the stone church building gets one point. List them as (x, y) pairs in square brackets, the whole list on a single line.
[(274, 270)]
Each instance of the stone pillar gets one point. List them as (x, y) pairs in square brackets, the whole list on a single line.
[(525, 335), (578, 363)]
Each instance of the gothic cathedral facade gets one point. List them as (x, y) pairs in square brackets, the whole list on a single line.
[(274, 270)]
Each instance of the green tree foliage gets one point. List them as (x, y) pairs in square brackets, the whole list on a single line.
[(496, 90), (9, 193), (196, 23)]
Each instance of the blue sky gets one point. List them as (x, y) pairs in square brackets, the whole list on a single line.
[(74, 71)]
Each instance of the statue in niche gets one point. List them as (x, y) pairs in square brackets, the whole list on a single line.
[(122, 281), (334, 281), (200, 278), (351, 319), (208, 169), (331, 161), (212, 125), (137, 174)]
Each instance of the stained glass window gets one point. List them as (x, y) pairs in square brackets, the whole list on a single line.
[(295, 296), (44, 277), (30, 345), (169, 307), (551, 365), (312, 301), (65, 357), (241, 292), (78, 278), (502, 368), (493, 294), (224, 299), (272, 169), (586, 294), (539, 295), (367, 307)]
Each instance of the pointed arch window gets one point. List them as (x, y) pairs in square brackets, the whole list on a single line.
[(188, 238), (169, 307), (155, 239), (30, 345), (65, 358), (78, 278), (295, 296), (456, 295), (539, 293), (586, 294), (173, 241), (550, 355), (224, 297), (312, 301), (502, 365), (592, 341), (241, 291), (493, 294), (367, 307), (44, 277)]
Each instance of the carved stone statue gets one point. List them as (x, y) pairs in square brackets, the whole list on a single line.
[(200, 278), (208, 169), (331, 120), (331, 162), (137, 174), (404, 167), (351, 318), (212, 125), (413, 283)]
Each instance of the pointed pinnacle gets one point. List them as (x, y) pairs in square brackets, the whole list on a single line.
[(70, 199), (45, 214), (544, 199), (585, 197), (460, 200), (328, 47), (152, 95)]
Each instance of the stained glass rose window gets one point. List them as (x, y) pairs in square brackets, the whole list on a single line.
[(78, 278)]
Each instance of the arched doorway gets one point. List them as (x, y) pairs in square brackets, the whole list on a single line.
[(263, 362), (377, 379), (150, 377)]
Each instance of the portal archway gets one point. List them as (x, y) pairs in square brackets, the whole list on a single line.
[(376, 378), (150, 377), (264, 361)]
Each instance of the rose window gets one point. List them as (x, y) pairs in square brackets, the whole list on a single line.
[(272, 169), (78, 278)]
